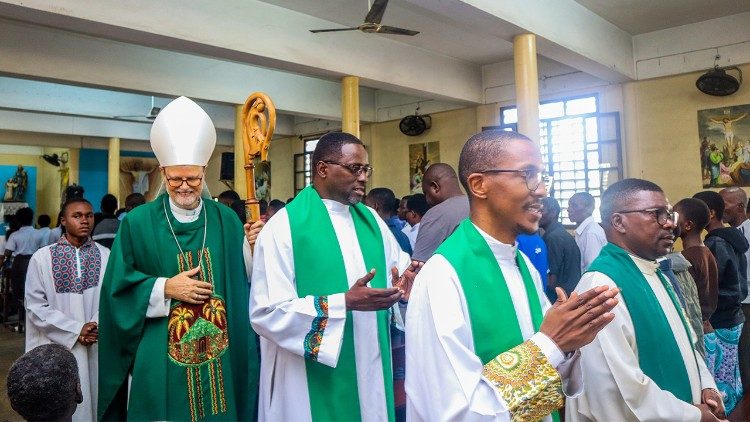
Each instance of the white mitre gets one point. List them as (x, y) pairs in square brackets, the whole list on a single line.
[(183, 134)]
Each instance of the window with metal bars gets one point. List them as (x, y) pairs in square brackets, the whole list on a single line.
[(303, 165), (581, 147)]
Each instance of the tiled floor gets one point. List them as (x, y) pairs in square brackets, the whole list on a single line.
[(11, 347)]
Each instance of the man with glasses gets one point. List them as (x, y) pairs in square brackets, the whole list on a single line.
[(483, 342), (326, 272), (174, 337), (728, 245), (643, 366)]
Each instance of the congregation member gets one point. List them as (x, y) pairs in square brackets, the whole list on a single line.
[(416, 208), (131, 201), (686, 289), (105, 230), (174, 337), (43, 230), (448, 206), (589, 234), (483, 342), (563, 255), (326, 273), (273, 207), (728, 245), (383, 201), (735, 214), (43, 384), (20, 246), (532, 245), (228, 197), (694, 217), (401, 212), (62, 297), (643, 366)]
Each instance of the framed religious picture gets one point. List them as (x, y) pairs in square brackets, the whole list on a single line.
[(724, 135), (421, 156)]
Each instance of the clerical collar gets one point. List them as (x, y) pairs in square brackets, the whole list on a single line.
[(335, 207), (502, 251), (644, 265), (185, 216)]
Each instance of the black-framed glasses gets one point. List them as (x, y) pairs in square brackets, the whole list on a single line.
[(533, 178), (662, 215), (355, 169), (176, 182)]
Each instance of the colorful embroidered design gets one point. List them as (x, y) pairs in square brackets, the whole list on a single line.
[(65, 265), (530, 386), (315, 336), (197, 338)]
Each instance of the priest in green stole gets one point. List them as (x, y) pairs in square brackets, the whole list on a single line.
[(483, 342), (643, 366), (175, 341), (324, 272)]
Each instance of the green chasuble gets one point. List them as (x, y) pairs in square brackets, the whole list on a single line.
[(653, 334), (201, 361), (319, 272), (530, 386)]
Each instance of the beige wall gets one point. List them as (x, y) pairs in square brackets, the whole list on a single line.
[(661, 130)]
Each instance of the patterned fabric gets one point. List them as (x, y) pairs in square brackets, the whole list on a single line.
[(530, 386), (723, 362), (66, 261), (315, 336)]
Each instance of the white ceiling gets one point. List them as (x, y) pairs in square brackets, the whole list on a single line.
[(641, 16)]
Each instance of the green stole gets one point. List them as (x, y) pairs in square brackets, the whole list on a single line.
[(494, 323), (223, 389), (319, 272), (653, 334)]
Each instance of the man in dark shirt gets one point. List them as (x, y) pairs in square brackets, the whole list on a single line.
[(383, 201), (563, 254)]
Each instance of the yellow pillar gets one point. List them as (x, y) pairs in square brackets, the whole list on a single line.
[(527, 85), (350, 105), (113, 170), (240, 184)]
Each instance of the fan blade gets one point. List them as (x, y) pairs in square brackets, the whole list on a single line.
[(375, 15), (315, 31), (384, 29)]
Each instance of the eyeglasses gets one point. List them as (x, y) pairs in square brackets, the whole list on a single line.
[(662, 215), (355, 169), (176, 182), (533, 178)]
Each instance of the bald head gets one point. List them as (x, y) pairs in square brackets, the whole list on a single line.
[(440, 182), (735, 205)]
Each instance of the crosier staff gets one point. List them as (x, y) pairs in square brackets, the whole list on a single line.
[(258, 123)]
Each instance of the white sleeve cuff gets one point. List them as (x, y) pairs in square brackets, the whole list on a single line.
[(553, 353), (158, 305), (333, 335)]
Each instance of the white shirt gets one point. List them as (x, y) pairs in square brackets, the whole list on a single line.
[(444, 378), (590, 239), (42, 236), (283, 319), (621, 391), (745, 229), (23, 242), (411, 232)]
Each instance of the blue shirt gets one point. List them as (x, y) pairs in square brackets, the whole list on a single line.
[(395, 225), (533, 246)]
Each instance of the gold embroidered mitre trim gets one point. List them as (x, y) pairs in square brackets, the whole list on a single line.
[(530, 386)]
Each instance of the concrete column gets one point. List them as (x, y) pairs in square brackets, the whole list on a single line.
[(527, 85), (350, 105), (113, 169), (240, 184)]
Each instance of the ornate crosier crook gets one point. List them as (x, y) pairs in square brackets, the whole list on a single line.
[(258, 122)]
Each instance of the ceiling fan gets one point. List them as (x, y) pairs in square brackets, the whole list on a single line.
[(151, 115), (372, 23)]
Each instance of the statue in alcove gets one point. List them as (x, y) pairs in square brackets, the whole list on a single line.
[(22, 181), (10, 189)]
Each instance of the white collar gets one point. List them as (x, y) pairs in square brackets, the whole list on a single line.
[(335, 207), (177, 211), (584, 224), (744, 224), (644, 265), (502, 251)]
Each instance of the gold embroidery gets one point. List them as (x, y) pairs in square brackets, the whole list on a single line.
[(530, 386)]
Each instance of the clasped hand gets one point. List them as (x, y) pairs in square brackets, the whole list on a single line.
[(89, 334), (363, 298), (186, 289)]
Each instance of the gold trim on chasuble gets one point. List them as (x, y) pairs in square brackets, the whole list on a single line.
[(530, 386), (197, 338)]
